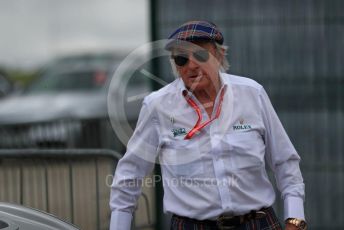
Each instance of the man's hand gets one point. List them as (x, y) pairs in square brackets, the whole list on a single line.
[(291, 227)]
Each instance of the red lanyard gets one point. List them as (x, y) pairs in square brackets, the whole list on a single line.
[(199, 126)]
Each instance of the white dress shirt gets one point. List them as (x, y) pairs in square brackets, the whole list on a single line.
[(222, 168)]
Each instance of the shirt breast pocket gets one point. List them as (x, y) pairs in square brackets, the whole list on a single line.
[(182, 158), (244, 150)]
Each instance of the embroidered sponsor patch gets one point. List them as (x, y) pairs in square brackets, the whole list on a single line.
[(242, 126), (178, 132)]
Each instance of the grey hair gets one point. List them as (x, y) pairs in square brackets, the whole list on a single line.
[(174, 68), (224, 64)]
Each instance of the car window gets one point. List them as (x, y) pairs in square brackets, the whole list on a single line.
[(69, 81)]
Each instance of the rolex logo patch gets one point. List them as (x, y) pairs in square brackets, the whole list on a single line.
[(241, 125)]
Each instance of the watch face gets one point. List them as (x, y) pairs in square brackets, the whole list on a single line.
[(303, 225), (131, 82)]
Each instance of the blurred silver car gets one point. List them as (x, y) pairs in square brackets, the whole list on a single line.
[(16, 217), (67, 106)]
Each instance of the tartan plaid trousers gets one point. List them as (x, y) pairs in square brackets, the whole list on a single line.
[(269, 222)]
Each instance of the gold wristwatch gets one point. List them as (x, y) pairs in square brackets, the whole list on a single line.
[(301, 224)]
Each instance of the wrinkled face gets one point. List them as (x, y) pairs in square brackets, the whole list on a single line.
[(198, 65)]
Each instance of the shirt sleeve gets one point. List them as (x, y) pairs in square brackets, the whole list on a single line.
[(284, 161), (131, 169)]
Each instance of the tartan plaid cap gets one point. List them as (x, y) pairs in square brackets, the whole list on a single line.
[(195, 31)]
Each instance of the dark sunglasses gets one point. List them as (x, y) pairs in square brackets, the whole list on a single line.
[(183, 58)]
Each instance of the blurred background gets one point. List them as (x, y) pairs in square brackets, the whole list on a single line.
[(57, 58)]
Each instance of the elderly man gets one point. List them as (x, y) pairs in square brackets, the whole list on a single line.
[(213, 133)]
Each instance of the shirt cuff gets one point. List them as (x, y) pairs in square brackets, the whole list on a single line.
[(120, 220), (293, 208)]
